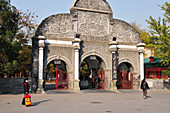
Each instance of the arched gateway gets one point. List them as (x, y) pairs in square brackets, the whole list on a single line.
[(88, 35)]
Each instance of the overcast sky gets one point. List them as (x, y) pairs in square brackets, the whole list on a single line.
[(128, 10)]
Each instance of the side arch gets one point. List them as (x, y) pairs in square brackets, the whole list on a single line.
[(68, 63), (128, 61)]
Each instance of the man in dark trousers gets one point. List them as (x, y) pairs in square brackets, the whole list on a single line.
[(144, 87)]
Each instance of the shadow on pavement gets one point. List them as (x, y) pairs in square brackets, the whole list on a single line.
[(129, 91), (60, 92), (36, 103), (148, 97), (97, 91)]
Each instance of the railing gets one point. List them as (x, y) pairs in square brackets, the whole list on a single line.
[(126, 80), (61, 80), (155, 72), (101, 74)]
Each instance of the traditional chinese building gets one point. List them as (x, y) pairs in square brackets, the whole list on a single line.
[(111, 48), (153, 68)]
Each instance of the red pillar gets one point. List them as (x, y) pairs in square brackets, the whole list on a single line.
[(147, 76), (123, 78), (159, 76), (56, 78)]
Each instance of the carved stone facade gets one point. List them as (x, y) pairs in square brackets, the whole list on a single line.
[(93, 20)]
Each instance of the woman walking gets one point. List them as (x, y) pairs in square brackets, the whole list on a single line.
[(144, 87)]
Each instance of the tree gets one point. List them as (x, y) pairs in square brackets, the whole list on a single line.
[(8, 29), (143, 33), (159, 35), (26, 29), (166, 72), (84, 70), (16, 30), (50, 70)]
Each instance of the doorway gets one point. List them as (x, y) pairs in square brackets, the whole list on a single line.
[(125, 76), (56, 75), (92, 75)]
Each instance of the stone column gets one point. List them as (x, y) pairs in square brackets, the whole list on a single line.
[(40, 72), (113, 49), (35, 62), (76, 44), (141, 50)]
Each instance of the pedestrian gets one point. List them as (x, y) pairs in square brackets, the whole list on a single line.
[(93, 82), (27, 98), (98, 80), (26, 89), (144, 87)]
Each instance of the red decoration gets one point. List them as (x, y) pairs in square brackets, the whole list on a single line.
[(155, 72)]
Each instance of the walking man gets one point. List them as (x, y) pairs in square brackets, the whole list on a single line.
[(144, 87)]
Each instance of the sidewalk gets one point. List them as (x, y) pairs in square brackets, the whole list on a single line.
[(158, 101)]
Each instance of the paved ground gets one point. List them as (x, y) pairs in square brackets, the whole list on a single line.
[(89, 102)]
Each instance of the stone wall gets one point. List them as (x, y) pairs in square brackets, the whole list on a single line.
[(93, 4), (11, 86), (130, 56), (124, 32), (93, 24), (56, 26), (159, 83)]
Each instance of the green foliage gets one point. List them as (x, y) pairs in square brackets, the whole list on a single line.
[(84, 70), (8, 28), (166, 8), (166, 72), (16, 30), (159, 35), (50, 70)]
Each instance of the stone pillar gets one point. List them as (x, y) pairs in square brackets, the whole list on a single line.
[(141, 50), (40, 72), (113, 49), (76, 44), (35, 62)]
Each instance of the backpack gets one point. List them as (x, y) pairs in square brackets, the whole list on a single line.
[(27, 98), (144, 85)]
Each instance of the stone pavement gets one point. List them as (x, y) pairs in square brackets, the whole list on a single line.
[(158, 101)]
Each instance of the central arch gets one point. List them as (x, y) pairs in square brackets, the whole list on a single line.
[(92, 74)]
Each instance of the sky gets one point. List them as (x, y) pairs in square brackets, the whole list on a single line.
[(128, 10)]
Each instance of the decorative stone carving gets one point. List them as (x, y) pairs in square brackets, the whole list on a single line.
[(93, 4), (93, 24), (124, 32), (98, 47), (60, 26), (132, 56), (61, 51), (113, 49)]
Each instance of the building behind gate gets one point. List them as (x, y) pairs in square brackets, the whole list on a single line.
[(88, 33)]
